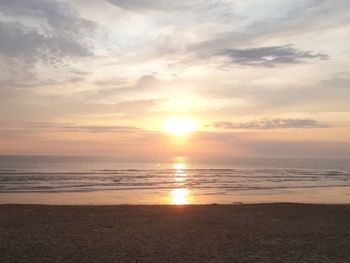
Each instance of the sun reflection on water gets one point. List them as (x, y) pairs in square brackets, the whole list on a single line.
[(180, 195)]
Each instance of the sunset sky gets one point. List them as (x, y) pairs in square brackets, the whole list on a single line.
[(248, 77)]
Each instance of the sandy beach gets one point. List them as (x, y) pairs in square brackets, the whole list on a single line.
[(205, 233)]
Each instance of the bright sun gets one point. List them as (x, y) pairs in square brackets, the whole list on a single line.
[(179, 126)]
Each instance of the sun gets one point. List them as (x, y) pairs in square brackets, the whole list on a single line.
[(179, 126)]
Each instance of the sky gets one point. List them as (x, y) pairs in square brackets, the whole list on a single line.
[(101, 77)]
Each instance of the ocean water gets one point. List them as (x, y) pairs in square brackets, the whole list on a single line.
[(88, 180)]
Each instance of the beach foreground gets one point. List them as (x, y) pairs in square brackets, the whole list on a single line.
[(205, 233)]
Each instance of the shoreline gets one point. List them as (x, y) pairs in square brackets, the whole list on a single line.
[(179, 205), (269, 232), (327, 195)]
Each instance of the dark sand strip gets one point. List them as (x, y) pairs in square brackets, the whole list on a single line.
[(208, 233)]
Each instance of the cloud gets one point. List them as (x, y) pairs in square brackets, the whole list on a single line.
[(34, 127), (141, 83), (294, 148), (99, 129), (160, 5), (328, 95), (18, 41), (59, 15), (139, 5), (272, 124), (270, 56), (115, 87), (281, 20), (339, 81), (26, 105), (305, 16), (45, 31)]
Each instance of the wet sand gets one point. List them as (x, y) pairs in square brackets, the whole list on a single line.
[(206, 233)]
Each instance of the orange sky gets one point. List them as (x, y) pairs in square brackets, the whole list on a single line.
[(256, 78)]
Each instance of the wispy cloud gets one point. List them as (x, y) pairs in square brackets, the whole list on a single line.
[(37, 127), (160, 5), (272, 124), (116, 86)]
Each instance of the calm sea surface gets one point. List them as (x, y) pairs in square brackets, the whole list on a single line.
[(72, 180)]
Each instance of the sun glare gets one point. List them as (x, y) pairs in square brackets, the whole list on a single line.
[(179, 126), (180, 196), (179, 166)]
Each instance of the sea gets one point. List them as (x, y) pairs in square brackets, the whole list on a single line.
[(72, 180)]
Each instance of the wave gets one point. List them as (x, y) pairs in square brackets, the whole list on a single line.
[(74, 178)]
